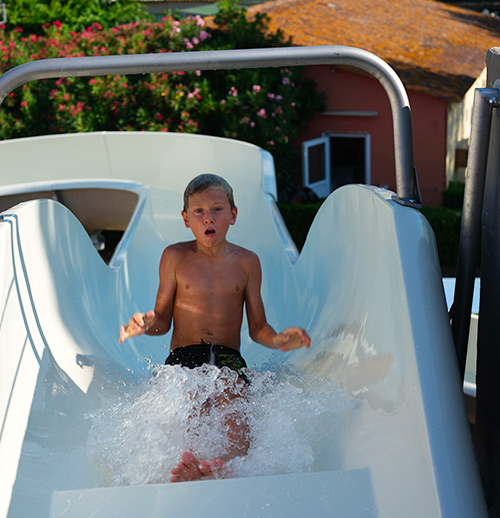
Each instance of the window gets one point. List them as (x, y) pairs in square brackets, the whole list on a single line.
[(334, 160)]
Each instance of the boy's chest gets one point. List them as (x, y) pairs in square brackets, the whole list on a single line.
[(210, 279)]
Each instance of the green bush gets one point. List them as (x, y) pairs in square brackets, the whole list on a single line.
[(445, 223), (298, 219), (262, 106), (453, 197), (32, 15)]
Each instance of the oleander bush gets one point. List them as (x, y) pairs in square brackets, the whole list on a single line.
[(262, 106), (31, 15)]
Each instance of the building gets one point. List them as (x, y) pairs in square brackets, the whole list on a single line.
[(439, 52)]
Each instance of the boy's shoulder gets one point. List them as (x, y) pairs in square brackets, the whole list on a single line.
[(245, 253), (177, 250), (181, 246)]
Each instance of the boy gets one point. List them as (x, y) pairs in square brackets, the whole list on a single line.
[(204, 285)]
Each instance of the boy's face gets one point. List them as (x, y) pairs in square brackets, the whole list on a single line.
[(209, 216)]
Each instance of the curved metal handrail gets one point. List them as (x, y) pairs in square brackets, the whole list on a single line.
[(406, 180)]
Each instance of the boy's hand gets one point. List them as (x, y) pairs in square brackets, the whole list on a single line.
[(292, 338), (137, 325)]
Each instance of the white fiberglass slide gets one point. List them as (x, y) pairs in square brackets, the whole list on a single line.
[(369, 421)]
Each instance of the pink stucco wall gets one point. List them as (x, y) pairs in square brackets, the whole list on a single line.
[(350, 91)]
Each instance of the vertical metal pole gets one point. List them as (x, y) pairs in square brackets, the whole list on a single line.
[(487, 431), (471, 221)]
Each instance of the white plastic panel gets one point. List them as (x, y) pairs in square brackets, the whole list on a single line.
[(367, 287)]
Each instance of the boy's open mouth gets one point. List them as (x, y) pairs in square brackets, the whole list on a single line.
[(209, 231)]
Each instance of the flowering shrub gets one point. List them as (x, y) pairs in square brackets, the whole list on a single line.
[(264, 106), (33, 14)]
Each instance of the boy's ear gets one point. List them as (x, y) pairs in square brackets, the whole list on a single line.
[(234, 212), (185, 218)]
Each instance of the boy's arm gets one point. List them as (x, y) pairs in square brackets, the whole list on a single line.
[(260, 331), (156, 322), (166, 293)]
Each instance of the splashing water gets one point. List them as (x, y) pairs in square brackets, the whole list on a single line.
[(139, 436)]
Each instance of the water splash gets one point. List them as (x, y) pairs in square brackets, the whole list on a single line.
[(138, 436)]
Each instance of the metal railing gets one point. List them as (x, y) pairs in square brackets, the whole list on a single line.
[(485, 99), (408, 192)]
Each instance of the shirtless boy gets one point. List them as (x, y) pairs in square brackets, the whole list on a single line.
[(204, 286)]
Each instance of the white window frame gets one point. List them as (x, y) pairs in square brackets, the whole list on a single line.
[(323, 187)]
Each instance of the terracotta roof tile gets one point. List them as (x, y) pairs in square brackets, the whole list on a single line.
[(436, 48)]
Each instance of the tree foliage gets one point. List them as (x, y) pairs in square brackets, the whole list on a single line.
[(32, 15)]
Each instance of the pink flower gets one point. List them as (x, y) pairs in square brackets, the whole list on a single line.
[(270, 96), (262, 113), (256, 88), (286, 80), (204, 35), (194, 93), (233, 91), (24, 103), (279, 98)]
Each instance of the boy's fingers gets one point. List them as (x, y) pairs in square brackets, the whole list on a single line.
[(124, 333), (138, 319)]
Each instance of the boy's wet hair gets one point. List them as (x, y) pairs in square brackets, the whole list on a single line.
[(206, 181)]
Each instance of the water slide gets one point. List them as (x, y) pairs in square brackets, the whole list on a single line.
[(366, 285), (370, 421)]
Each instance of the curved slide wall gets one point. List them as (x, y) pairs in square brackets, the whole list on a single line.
[(367, 287)]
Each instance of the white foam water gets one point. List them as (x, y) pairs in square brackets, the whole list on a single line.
[(138, 436)]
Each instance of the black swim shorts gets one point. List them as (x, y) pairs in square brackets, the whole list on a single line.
[(196, 355)]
